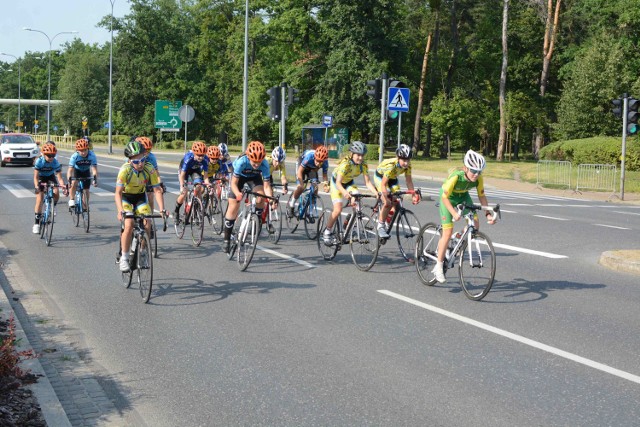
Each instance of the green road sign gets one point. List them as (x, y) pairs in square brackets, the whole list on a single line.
[(167, 115)]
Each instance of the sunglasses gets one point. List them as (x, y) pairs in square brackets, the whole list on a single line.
[(137, 162), (475, 171), (49, 156)]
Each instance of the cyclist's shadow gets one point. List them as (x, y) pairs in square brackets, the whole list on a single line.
[(519, 290)]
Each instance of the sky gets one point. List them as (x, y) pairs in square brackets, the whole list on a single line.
[(52, 17)]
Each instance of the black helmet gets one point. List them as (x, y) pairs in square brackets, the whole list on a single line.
[(133, 148), (403, 151)]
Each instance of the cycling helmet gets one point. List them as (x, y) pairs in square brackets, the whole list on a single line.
[(199, 148), (278, 154), (213, 153), (146, 142), (403, 151), (255, 151), (133, 148), (82, 144), (49, 149), (473, 160), (358, 147), (321, 153), (224, 150)]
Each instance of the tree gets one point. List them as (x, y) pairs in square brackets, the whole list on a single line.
[(503, 82)]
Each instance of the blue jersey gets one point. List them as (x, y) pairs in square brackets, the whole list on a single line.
[(242, 168), (308, 162), (45, 168), (151, 158), (190, 165), (83, 163)]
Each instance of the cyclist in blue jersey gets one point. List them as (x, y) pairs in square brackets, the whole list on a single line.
[(194, 166), (83, 164), (310, 162), (251, 169), (46, 169), (151, 158)]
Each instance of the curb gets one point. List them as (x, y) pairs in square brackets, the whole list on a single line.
[(622, 260), (52, 410)]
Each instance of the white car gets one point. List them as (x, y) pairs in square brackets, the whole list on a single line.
[(18, 148)]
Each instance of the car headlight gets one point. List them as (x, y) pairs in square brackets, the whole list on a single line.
[(6, 152), (36, 151)]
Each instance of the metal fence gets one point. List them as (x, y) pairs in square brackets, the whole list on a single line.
[(555, 173), (596, 177)]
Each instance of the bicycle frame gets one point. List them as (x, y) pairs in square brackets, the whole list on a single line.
[(307, 200)]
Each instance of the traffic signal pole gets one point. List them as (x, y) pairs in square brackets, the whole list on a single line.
[(283, 116), (383, 114), (624, 142)]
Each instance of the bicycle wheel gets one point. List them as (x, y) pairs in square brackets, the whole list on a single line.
[(328, 252), (180, 223), (478, 268), (426, 252), (315, 208), (154, 239), (215, 215), (49, 224), (77, 210), (247, 241), (277, 216), (293, 221), (144, 267), (86, 219), (407, 228), (127, 277), (197, 221), (364, 243)]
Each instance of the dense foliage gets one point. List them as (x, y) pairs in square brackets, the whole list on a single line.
[(193, 51), (598, 150)]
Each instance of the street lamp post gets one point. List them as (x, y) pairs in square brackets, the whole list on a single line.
[(111, 82), (50, 39), (19, 81)]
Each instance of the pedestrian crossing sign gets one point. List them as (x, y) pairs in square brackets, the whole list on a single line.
[(398, 99)]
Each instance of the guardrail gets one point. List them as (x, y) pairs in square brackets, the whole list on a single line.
[(67, 142), (554, 172), (597, 177)]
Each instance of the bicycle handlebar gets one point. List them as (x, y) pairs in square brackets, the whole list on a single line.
[(495, 210), (246, 191)]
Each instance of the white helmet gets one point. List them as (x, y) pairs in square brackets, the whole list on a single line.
[(278, 154), (473, 160), (403, 151), (224, 150)]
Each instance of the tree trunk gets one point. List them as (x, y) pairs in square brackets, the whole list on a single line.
[(432, 82), (503, 83), (423, 77)]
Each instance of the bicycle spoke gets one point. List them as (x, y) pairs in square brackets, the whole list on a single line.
[(328, 252), (407, 228), (315, 207), (426, 252), (364, 244), (145, 268), (477, 267), (247, 241)]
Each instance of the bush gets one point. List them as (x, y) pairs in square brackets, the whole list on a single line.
[(596, 150)]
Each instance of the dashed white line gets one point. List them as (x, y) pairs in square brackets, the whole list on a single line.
[(551, 217), (529, 251), (287, 257), (612, 226)]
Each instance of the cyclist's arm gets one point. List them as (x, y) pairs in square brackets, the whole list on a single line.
[(267, 188), (118, 199), (447, 203), (369, 184), (35, 178), (234, 186), (159, 197), (299, 174), (59, 178), (94, 171), (181, 178), (409, 180), (69, 173)]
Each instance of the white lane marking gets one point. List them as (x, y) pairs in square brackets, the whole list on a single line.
[(627, 213), (510, 335), (287, 257), (19, 191), (529, 251), (518, 204), (612, 226), (504, 210), (552, 217)]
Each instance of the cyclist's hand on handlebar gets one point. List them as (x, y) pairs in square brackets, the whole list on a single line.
[(239, 197), (95, 181), (325, 186), (415, 199), (285, 188)]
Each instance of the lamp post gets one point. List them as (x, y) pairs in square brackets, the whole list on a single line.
[(19, 81), (111, 81), (50, 39)]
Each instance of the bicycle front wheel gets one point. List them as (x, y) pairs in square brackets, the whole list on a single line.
[(215, 214), (364, 244), (197, 221), (179, 223), (48, 232), (277, 216), (145, 268), (315, 208), (154, 239), (247, 241), (407, 228), (292, 221), (477, 266), (426, 252), (328, 251)]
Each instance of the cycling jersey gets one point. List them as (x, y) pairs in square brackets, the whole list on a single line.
[(151, 158), (217, 167), (392, 169), (190, 165), (135, 182), (308, 162), (242, 168), (83, 164), (272, 168), (45, 168), (457, 187), (349, 170)]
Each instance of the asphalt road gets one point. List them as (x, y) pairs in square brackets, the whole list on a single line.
[(298, 341)]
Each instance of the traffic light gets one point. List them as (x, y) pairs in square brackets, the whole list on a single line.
[(376, 90), (392, 115), (292, 95), (396, 83), (632, 116), (274, 103), (617, 107)]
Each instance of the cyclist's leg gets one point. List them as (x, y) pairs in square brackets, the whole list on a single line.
[(231, 215), (337, 202), (38, 207), (447, 232), (128, 206), (72, 189)]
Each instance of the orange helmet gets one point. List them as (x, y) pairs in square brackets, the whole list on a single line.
[(213, 152), (49, 149), (82, 144), (255, 151), (199, 148), (322, 153), (146, 142)]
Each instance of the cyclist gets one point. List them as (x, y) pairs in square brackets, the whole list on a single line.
[(342, 185), (131, 195), (217, 166), (46, 169), (251, 169), (226, 158), (82, 165), (386, 180), (276, 163), (454, 191), (151, 158), (309, 164), (195, 166)]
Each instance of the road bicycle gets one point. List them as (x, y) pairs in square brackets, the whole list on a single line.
[(358, 231), (244, 238), (140, 259), (272, 217), (47, 216), (306, 209), (212, 206), (191, 213), (405, 221), (472, 251), (81, 208)]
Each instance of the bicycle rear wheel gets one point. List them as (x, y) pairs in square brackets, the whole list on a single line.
[(48, 232), (477, 270), (315, 208), (154, 239), (407, 228), (180, 223), (277, 216), (144, 268), (247, 241), (328, 252), (364, 243), (426, 252), (126, 277), (215, 214), (293, 221), (197, 221)]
